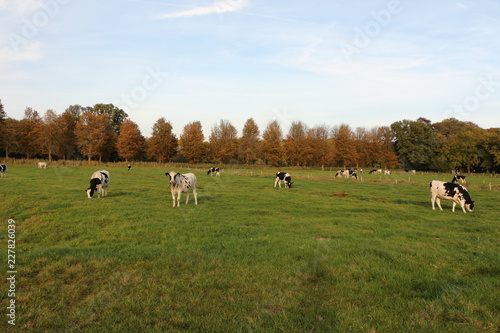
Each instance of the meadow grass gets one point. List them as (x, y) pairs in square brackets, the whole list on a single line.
[(327, 255)]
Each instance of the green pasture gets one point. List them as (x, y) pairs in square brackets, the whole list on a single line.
[(327, 255)]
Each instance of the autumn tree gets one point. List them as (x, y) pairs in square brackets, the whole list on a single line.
[(9, 134), (322, 147), (248, 145), (28, 133), (94, 135), (346, 153), (50, 133), (130, 142), (192, 142), (3, 117), (162, 145), (115, 115), (223, 141), (67, 145), (270, 146), (296, 145)]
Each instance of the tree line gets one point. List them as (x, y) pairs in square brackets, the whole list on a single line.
[(104, 132)]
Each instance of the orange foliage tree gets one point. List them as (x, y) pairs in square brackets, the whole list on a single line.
[(223, 141), (94, 135), (270, 146), (248, 146), (130, 142), (162, 145)]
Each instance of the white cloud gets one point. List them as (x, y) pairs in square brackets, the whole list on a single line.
[(20, 7), (218, 7)]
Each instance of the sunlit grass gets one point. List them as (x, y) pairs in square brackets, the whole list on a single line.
[(327, 255)]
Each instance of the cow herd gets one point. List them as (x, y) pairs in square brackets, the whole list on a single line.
[(185, 183)]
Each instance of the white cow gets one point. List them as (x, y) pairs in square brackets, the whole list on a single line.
[(182, 183), (450, 191), (42, 165), (3, 170), (98, 182), (387, 172)]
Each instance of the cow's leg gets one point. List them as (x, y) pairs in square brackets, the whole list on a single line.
[(187, 197), (173, 199), (195, 197), (179, 199), (438, 201), (453, 206), (276, 181), (433, 200)]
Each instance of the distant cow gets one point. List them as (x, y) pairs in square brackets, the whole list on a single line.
[(456, 178), (42, 165), (387, 172), (3, 170), (182, 183), (411, 172), (283, 177), (213, 171), (98, 182), (347, 173), (375, 171), (450, 191), (129, 166)]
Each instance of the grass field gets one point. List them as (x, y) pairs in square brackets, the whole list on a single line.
[(327, 255)]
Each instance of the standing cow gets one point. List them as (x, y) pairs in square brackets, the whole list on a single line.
[(456, 178), (3, 170), (42, 165), (98, 182), (182, 183), (213, 171), (283, 177), (450, 191)]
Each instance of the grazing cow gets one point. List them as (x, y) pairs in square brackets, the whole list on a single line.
[(387, 172), (182, 183), (3, 170), (129, 167), (456, 178), (450, 191), (98, 182), (347, 173), (375, 171), (283, 177), (211, 171), (411, 172), (42, 165)]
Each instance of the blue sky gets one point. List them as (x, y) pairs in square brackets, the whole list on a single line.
[(361, 63)]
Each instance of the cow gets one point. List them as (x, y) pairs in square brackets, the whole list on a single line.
[(347, 173), (42, 165), (450, 191), (182, 183), (211, 172), (456, 178), (129, 166), (98, 182), (411, 171), (3, 170), (387, 172), (283, 177), (375, 171)]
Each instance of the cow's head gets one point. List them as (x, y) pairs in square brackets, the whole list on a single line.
[(470, 206), (94, 183), (172, 175)]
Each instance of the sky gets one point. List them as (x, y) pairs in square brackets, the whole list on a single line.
[(321, 62)]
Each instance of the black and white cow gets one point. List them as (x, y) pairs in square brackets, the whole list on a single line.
[(456, 178), (182, 183), (347, 173), (450, 191), (283, 177), (375, 171), (98, 182), (213, 171), (3, 170), (129, 166)]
